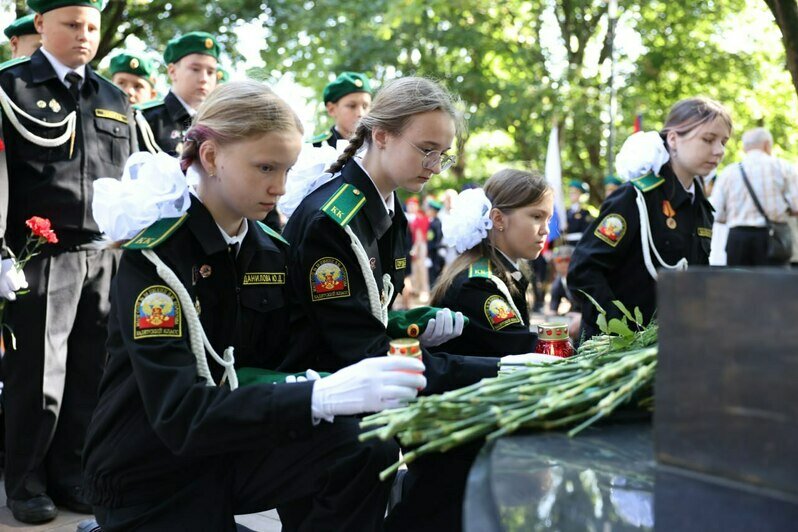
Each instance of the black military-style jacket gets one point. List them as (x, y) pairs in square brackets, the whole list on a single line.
[(157, 422), (332, 325), (578, 221), (493, 329), (169, 121), (608, 261), (331, 138), (57, 183)]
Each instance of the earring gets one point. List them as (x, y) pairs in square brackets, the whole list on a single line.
[(501, 228)]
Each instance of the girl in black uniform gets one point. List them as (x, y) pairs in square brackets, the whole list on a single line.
[(660, 220), (494, 229), (174, 444)]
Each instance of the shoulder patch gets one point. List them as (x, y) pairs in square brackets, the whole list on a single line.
[(272, 233), (155, 234), (148, 105), (344, 204), (499, 313), (12, 62), (480, 268), (648, 182), (611, 229), (328, 279), (321, 137), (157, 314)]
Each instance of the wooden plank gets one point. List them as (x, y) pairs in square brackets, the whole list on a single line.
[(726, 400)]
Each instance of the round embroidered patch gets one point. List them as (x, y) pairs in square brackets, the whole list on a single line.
[(157, 314), (611, 229), (328, 279), (499, 313)]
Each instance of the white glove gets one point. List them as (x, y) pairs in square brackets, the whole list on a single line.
[(442, 328), (11, 279), (310, 375), (527, 359), (370, 385)]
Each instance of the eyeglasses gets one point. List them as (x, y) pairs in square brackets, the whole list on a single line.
[(433, 158)]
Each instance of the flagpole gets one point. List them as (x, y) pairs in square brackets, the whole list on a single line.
[(613, 19)]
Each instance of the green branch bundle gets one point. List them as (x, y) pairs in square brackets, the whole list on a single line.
[(609, 370)]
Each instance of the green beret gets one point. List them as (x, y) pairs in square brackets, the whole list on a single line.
[(575, 183), (43, 6), (411, 323), (21, 26), (612, 180), (434, 204), (346, 83), (222, 76), (133, 64), (196, 42)]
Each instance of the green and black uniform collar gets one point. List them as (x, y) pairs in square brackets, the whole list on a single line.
[(375, 206)]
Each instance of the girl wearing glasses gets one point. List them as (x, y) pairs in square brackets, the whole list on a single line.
[(494, 229), (347, 262)]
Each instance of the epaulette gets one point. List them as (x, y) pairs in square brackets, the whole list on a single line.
[(480, 268), (148, 105), (155, 234), (344, 204), (648, 182), (12, 62), (321, 137), (272, 233), (111, 83)]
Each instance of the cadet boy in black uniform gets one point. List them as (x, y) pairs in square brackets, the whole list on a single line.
[(578, 217), (192, 61), (23, 37), (616, 259), (347, 99), (71, 127), (135, 75)]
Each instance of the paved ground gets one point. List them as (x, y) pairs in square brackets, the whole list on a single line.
[(68, 521)]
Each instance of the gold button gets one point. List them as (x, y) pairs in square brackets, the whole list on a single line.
[(356, 192), (208, 43), (134, 63)]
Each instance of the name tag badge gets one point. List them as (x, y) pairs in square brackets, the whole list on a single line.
[(113, 115), (255, 278), (400, 264), (706, 232)]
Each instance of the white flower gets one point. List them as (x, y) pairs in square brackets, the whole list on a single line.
[(469, 220), (152, 187), (307, 175), (640, 154)]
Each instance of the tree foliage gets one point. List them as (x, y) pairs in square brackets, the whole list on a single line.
[(519, 66)]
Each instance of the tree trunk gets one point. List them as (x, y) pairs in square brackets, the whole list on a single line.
[(786, 14)]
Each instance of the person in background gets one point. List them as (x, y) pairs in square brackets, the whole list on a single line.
[(23, 37), (611, 184), (191, 64), (436, 251), (347, 100), (578, 217), (52, 371), (418, 225), (135, 75), (775, 184)]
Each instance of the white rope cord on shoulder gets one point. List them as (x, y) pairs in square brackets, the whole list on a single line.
[(146, 132), (197, 337), (11, 110), (506, 293), (379, 307), (647, 241)]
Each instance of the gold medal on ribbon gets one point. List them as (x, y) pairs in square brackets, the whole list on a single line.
[(667, 210)]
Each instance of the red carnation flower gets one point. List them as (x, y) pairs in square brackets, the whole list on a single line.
[(38, 226), (2, 145)]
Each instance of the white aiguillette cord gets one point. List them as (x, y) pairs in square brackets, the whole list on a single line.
[(11, 110), (197, 338), (647, 241), (379, 306)]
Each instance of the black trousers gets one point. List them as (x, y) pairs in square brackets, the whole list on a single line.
[(433, 491), (329, 481), (748, 246), (51, 377)]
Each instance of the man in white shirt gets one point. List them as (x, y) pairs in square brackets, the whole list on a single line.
[(775, 184)]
